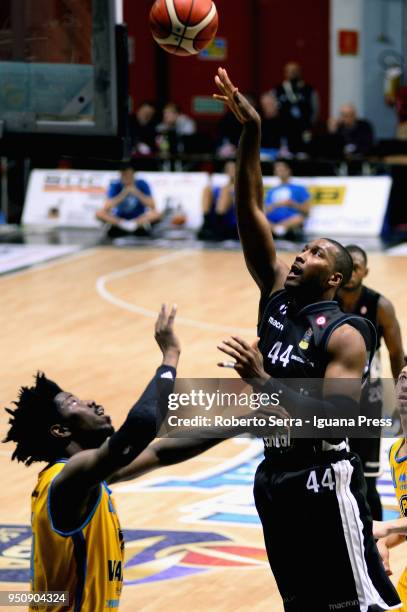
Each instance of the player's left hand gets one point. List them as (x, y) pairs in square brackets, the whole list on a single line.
[(165, 336), (248, 359)]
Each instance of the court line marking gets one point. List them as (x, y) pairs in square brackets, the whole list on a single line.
[(52, 263), (105, 294)]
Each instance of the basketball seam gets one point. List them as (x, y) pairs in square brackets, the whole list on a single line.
[(186, 25), (169, 17)]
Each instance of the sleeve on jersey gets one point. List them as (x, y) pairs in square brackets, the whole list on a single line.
[(144, 187), (114, 189), (302, 195)]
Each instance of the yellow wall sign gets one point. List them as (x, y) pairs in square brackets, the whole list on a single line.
[(327, 195)]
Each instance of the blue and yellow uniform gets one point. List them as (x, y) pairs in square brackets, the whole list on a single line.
[(87, 562), (398, 466)]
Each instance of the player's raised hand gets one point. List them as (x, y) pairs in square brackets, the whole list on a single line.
[(165, 336), (230, 95), (248, 359)]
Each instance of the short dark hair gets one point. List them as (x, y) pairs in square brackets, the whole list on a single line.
[(286, 162), (354, 248), (30, 422), (126, 165), (344, 263)]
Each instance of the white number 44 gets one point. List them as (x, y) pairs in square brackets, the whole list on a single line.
[(327, 481)]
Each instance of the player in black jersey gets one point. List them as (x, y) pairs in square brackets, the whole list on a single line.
[(309, 493), (356, 298)]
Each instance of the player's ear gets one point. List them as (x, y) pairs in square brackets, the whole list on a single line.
[(366, 272), (60, 431), (335, 280)]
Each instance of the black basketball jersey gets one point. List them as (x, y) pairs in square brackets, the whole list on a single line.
[(367, 307), (294, 342)]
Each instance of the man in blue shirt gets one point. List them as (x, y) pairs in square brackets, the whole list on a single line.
[(287, 205), (129, 207)]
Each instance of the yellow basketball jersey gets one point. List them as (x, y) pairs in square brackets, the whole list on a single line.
[(87, 562), (398, 467)]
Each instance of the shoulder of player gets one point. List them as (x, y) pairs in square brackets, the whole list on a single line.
[(347, 343), (385, 309)]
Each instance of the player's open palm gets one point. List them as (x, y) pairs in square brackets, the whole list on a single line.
[(230, 95), (164, 334)]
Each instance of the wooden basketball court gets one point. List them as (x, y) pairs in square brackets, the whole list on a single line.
[(87, 322)]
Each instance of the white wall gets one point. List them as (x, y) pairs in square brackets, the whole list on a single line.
[(346, 71)]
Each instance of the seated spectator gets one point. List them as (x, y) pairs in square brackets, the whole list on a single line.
[(218, 207), (287, 205), (298, 106), (350, 135), (271, 126), (129, 208), (142, 129), (174, 127)]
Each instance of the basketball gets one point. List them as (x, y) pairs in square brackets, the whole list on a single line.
[(183, 27)]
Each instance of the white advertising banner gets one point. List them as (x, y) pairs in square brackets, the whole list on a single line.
[(341, 206), (351, 206)]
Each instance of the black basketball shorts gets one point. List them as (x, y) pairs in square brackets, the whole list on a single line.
[(318, 534)]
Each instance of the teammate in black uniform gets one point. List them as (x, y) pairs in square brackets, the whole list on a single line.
[(356, 298), (309, 493)]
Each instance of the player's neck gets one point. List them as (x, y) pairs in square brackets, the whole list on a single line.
[(349, 299), (305, 299)]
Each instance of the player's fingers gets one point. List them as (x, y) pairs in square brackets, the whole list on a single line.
[(220, 84), (227, 364), (171, 317), (242, 342), (221, 98), (237, 346), (159, 321), (229, 351)]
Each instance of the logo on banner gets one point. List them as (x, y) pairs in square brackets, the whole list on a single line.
[(150, 555), (328, 195)]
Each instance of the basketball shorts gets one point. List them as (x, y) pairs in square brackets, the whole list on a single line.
[(318, 533)]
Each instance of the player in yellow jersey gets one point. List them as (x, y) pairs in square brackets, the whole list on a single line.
[(77, 544), (392, 533)]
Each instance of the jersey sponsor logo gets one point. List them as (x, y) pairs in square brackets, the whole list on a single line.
[(304, 344), (276, 323), (403, 505), (321, 321), (283, 309), (151, 555)]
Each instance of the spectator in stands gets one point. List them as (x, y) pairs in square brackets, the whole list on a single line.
[(298, 106), (229, 130), (218, 207), (142, 128), (288, 205), (351, 136), (173, 129), (271, 127), (129, 207)]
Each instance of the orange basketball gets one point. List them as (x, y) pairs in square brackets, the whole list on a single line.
[(183, 27)]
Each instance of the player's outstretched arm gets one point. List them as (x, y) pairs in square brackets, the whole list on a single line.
[(257, 241), (383, 529), (161, 453), (79, 481), (387, 320)]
